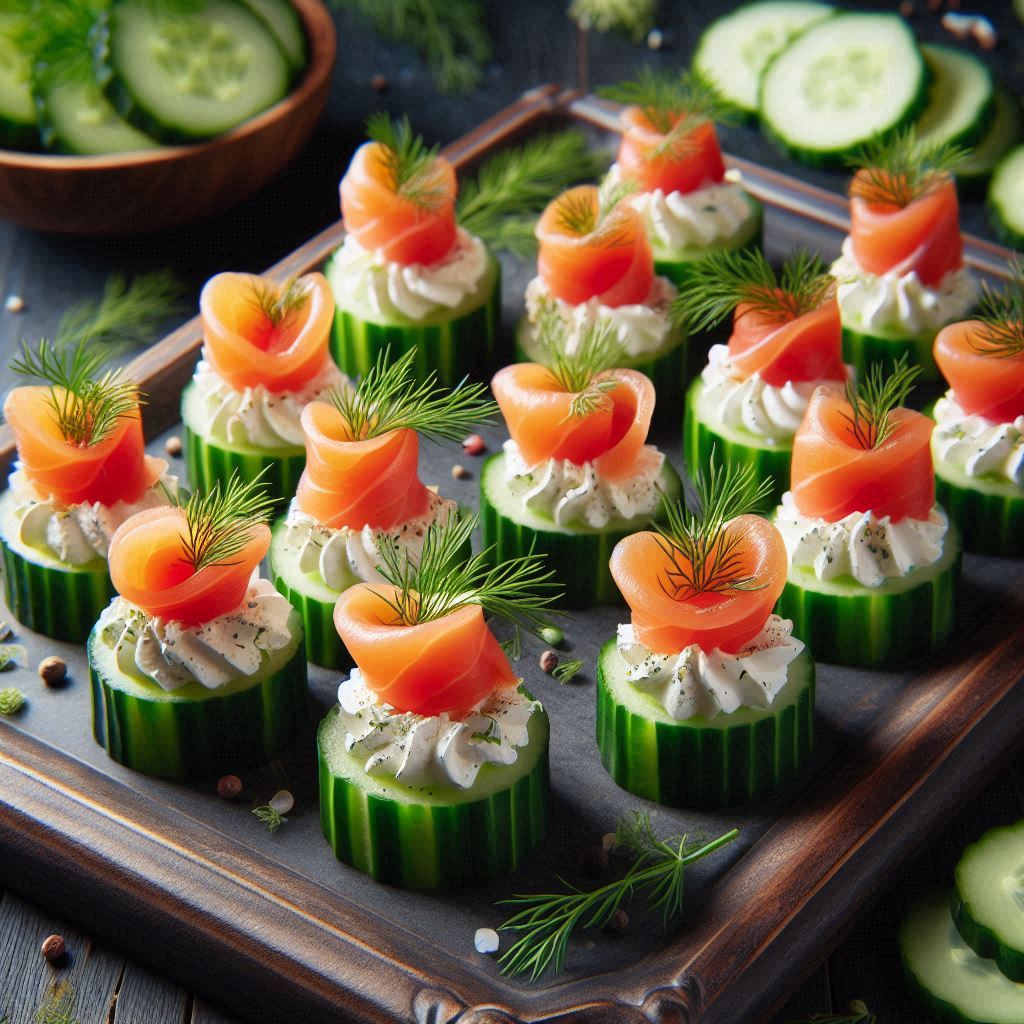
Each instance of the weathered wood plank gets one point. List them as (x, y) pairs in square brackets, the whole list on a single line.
[(147, 998)]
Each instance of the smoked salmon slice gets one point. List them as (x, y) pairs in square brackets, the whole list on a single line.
[(447, 664), (983, 383), (833, 475), (584, 255), (537, 408), (258, 332), (923, 236), (654, 161), (150, 569), (400, 225), (667, 620), (355, 483), (115, 469)]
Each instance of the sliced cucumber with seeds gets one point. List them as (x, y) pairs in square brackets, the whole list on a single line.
[(1003, 131), (1006, 198), (191, 74), (283, 20), (961, 98), (17, 108), (845, 81), (734, 50)]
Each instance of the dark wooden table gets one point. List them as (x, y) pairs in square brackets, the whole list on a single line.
[(534, 43)]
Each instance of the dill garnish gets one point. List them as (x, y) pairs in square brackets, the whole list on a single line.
[(634, 18), (277, 302), (874, 398), (409, 160), (1002, 316)]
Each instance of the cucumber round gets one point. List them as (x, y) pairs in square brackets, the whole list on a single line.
[(951, 981), (702, 434), (283, 21), (698, 762), (900, 621), (578, 554), (843, 82), (46, 595), (211, 461), (1006, 198), (1003, 131), (961, 97), (193, 74), (988, 898), (194, 732), (734, 50), (862, 348), (17, 106), (433, 837), (453, 343)]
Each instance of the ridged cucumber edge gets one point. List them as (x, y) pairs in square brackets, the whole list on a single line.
[(861, 349), (984, 941), (989, 523)]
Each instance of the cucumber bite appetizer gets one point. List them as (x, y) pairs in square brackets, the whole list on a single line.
[(577, 474), (198, 667), (265, 357), (361, 483), (901, 275), (596, 265), (705, 697), (81, 472), (786, 339), (434, 764), (978, 443), (873, 560), (670, 153)]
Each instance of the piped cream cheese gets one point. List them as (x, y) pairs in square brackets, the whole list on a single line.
[(425, 750), (869, 548), (979, 447), (362, 278), (694, 682), (708, 216)]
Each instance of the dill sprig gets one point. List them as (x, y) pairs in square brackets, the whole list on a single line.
[(1002, 316), (566, 671), (12, 700), (579, 214), (657, 870), (501, 204), (701, 549), (219, 522), (442, 579), (58, 1005), (858, 1014), (389, 397), (279, 302), (634, 18), (728, 278), (87, 403), (900, 168), (270, 816), (874, 398), (408, 158)]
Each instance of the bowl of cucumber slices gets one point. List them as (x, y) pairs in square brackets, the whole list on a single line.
[(127, 116)]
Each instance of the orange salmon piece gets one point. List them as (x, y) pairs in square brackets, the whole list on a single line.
[(984, 385)]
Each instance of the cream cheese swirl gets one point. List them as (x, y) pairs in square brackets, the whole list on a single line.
[(682, 220), (976, 445), (362, 278), (867, 547), (213, 654), (694, 682), (424, 750), (898, 302)]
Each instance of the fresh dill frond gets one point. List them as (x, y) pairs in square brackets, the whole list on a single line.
[(442, 579), (513, 646), (389, 397), (270, 816), (58, 1005), (874, 398), (87, 402), (12, 700), (1002, 316), (701, 549), (858, 1014), (546, 921), (634, 18), (567, 671), (587, 211), (899, 168), (502, 202), (279, 302), (728, 278), (218, 522), (408, 158)]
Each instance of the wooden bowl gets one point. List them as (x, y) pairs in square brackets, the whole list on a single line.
[(131, 193)]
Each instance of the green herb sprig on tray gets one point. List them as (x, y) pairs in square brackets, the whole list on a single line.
[(634, 18), (546, 921), (270, 816), (58, 1005), (858, 1014), (1002, 316), (12, 700), (873, 399)]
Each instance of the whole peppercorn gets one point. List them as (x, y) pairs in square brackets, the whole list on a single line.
[(229, 786), (459, 472), (474, 445), (548, 662), (53, 949), (53, 671), (619, 921), (173, 447)]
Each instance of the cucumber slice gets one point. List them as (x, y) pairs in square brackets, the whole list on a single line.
[(283, 21), (435, 837), (897, 622), (960, 99), (454, 343), (988, 898), (1003, 131), (185, 75), (845, 81), (1006, 198), (703, 433), (951, 981), (699, 762), (209, 461), (862, 348), (47, 596), (17, 106), (578, 555), (734, 50), (193, 732)]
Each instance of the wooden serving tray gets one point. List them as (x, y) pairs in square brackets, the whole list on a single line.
[(278, 930)]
